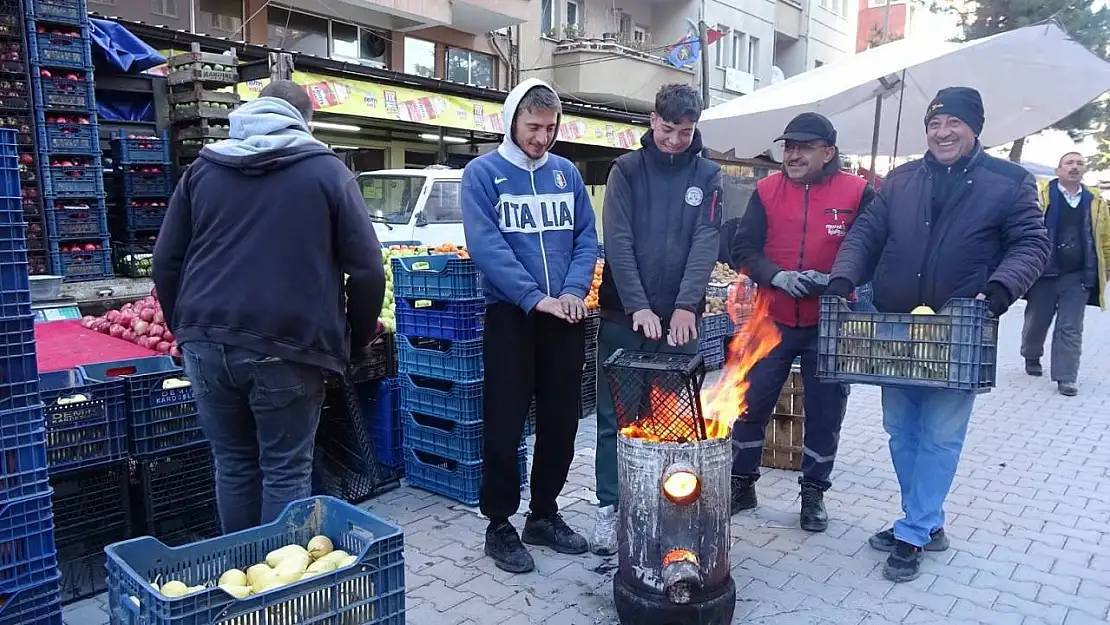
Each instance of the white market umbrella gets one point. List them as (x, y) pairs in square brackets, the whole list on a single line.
[(1030, 78)]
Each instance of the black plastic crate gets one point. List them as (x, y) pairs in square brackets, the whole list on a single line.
[(85, 499), (176, 481), (133, 259), (185, 527), (377, 362), (346, 464), (82, 561), (333, 477), (24, 125)]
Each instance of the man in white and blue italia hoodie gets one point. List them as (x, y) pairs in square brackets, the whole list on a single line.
[(530, 229)]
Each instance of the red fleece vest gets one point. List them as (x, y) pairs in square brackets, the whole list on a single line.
[(805, 227)]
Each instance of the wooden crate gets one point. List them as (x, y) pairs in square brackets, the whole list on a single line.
[(782, 449)]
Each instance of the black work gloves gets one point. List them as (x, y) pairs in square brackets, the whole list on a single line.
[(998, 298), (840, 287), (801, 284)]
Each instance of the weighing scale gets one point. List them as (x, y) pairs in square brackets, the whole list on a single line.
[(58, 309)]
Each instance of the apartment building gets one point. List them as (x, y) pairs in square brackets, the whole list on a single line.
[(463, 41), (873, 18)]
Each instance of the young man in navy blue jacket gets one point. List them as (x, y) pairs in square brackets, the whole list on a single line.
[(530, 229)]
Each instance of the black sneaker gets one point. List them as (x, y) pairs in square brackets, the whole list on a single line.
[(503, 545), (904, 565), (743, 495), (553, 532), (1033, 367), (885, 541), (1068, 389), (814, 518)]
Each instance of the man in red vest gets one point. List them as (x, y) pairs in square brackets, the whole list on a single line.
[(786, 243)]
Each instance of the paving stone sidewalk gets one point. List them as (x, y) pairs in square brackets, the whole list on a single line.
[(1029, 518)]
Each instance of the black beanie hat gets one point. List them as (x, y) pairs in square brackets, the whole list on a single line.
[(963, 103)]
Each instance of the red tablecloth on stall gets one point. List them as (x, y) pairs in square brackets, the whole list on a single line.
[(65, 345)]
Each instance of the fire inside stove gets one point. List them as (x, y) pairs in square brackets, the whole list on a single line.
[(674, 456)]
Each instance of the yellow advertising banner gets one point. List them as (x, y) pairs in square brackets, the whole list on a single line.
[(372, 100)]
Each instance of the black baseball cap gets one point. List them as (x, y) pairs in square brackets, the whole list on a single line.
[(809, 127)]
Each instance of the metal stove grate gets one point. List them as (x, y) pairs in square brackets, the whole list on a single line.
[(656, 396)]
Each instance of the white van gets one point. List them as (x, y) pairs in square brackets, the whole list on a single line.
[(415, 206)]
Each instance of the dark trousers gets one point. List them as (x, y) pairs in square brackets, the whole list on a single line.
[(260, 415), (526, 354), (1065, 298), (824, 405)]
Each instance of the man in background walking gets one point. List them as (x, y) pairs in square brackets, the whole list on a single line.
[(249, 269), (662, 225), (1079, 225), (530, 229), (786, 242)]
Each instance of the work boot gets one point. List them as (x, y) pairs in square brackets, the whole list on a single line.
[(743, 495), (553, 532), (604, 541), (814, 516), (1068, 389), (885, 541), (904, 565), (1033, 367), (503, 545)]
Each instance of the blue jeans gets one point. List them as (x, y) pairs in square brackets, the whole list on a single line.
[(260, 414), (927, 428)]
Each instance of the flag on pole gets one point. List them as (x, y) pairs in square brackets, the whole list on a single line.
[(686, 52)]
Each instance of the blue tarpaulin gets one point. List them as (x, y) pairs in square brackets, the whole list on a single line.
[(121, 52)]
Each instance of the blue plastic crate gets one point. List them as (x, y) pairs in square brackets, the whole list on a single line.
[(9, 178), (956, 348), (85, 180), (144, 214), (381, 409), (443, 437), (455, 320), (437, 276), (141, 149), (69, 138), (27, 554), (19, 371), (15, 285), (22, 454), (76, 219), (370, 592), (712, 352), (459, 401), (65, 93), (56, 50), (458, 361), (146, 184), (714, 326), (13, 242), (461, 481), (59, 11), (160, 415), (76, 264), (82, 433), (40, 604)]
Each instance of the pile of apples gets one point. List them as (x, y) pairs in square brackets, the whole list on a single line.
[(45, 73), (74, 248), (146, 146), (141, 323), (59, 32), (82, 120), (145, 169), (76, 162)]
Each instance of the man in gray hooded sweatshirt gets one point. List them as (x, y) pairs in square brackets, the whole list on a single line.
[(249, 269)]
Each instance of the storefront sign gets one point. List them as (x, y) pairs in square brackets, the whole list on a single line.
[(377, 101)]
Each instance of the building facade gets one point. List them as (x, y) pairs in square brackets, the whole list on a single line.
[(873, 19)]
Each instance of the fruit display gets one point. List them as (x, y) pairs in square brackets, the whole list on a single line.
[(388, 318), (283, 566), (141, 323), (595, 285)]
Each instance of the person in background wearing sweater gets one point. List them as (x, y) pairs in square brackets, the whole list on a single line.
[(249, 268), (1078, 222), (530, 229)]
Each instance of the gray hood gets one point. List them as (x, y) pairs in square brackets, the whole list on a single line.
[(265, 125), (508, 149)]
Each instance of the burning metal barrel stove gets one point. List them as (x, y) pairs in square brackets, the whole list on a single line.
[(673, 465)]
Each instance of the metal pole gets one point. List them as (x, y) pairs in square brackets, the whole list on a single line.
[(875, 134), (886, 23), (703, 37)]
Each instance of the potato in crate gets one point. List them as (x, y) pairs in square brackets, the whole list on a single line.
[(956, 348), (85, 420), (321, 561)]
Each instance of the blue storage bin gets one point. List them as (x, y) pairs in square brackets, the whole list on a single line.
[(79, 265), (436, 276), (59, 11), (82, 433), (63, 93), (144, 214), (15, 284), (56, 50), (456, 320), (27, 554), (146, 149), (19, 371), (40, 604), (69, 138), (76, 219), (136, 184), (443, 437), (381, 408), (459, 401), (160, 414), (85, 180), (23, 470), (370, 592), (456, 480), (458, 361)]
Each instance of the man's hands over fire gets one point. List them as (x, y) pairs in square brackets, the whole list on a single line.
[(684, 328)]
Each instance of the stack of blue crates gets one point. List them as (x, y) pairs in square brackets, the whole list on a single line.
[(69, 143), (440, 318), (142, 197), (714, 331), (29, 564)]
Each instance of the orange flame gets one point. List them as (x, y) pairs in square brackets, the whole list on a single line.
[(725, 400)]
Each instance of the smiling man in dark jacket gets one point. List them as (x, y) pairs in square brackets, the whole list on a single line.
[(956, 224), (662, 224), (249, 268)]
